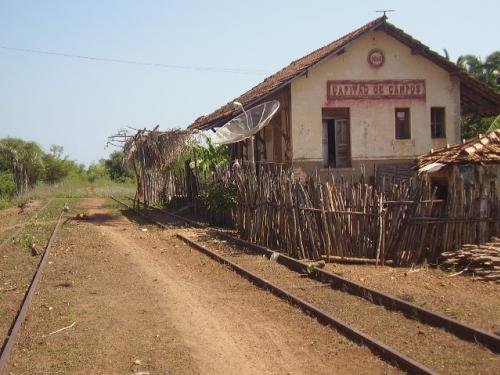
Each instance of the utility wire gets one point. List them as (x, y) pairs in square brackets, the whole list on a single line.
[(132, 62)]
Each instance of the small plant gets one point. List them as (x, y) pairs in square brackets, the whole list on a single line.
[(25, 240), (217, 201), (310, 268), (218, 198)]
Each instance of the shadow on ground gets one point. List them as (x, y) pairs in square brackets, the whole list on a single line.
[(155, 215)]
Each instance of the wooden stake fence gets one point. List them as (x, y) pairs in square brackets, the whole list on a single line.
[(348, 218), (340, 217)]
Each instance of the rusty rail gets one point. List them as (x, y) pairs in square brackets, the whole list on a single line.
[(21, 316)]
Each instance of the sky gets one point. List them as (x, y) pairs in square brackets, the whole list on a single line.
[(78, 103)]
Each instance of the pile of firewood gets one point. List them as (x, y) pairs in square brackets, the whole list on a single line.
[(480, 261)]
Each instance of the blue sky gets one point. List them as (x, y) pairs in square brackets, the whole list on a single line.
[(78, 103)]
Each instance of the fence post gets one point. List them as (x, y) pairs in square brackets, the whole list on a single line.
[(380, 229), (325, 222)]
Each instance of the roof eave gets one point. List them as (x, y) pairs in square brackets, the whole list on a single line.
[(302, 72)]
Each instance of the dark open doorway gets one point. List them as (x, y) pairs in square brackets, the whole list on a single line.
[(337, 144)]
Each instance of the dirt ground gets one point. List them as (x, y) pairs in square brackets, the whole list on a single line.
[(460, 297), (416, 340), (137, 300)]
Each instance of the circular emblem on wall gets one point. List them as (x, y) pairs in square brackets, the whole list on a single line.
[(376, 58)]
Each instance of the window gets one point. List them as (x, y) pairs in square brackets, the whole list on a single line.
[(437, 122), (402, 121)]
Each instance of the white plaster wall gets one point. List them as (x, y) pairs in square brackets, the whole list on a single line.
[(372, 121)]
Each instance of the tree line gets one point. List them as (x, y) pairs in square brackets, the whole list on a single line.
[(24, 164)]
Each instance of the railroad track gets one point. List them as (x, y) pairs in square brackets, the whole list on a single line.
[(263, 273), (425, 316), (10, 341)]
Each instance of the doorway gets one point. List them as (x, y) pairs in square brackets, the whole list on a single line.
[(336, 138)]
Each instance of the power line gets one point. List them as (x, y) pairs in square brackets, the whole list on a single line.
[(132, 62)]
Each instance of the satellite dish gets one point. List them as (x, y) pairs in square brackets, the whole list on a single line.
[(245, 125)]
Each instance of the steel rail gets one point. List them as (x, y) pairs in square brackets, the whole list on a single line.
[(21, 316), (387, 353), (425, 316)]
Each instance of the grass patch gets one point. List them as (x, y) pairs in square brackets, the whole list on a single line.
[(72, 187), (77, 187), (38, 231), (5, 202)]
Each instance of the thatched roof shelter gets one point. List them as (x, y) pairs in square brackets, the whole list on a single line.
[(152, 154), (155, 149), (482, 150)]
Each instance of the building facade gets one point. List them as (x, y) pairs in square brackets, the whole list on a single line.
[(375, 97)]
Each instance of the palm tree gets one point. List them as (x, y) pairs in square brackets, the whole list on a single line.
[(495, 124), (487, 71)]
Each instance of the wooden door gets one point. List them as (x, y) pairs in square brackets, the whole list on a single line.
[(342, 143)]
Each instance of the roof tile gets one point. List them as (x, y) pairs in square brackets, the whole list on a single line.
[(300, 66), (482, 149)]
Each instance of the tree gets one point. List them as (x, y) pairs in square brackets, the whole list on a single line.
[(57, 151), (96, 171), (495, 124), (7, 185), (473, 126), (487, 71), (116, 167), (210, 156), (55, 169), (24, 160)]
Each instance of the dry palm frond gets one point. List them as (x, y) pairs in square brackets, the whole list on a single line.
[(151, 154), (154, 149)]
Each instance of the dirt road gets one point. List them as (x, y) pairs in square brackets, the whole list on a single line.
[(142, 301)]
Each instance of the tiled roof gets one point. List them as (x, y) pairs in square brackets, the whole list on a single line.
[(281, 78), (299, 67), (482, 149)]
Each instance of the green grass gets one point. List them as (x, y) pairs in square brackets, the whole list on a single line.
[(81, 188), (72, 187), (38, 231), (5, 202)]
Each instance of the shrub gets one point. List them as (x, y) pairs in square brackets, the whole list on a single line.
[(96, 171), (7, 185), (116, 167), (55, 169), (218, 201)]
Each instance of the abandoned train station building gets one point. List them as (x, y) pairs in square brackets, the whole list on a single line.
[(375, 97)]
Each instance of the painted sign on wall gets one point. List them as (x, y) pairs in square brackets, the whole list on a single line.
[(376, 89)]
